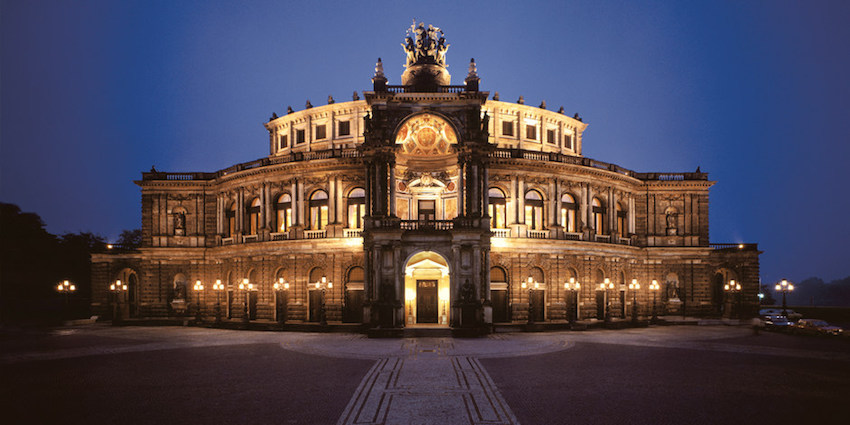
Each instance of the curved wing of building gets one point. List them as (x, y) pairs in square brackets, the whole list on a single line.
[(426, 204)]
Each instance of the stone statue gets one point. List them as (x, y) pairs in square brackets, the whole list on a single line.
[(179, 290), (355, 96), (542, 105), (496, 96), (367, 123), (521, 100), (485, 123), (274, 116), (330, 100), (309, 105), (671, 223), (410, 50), (179, 221), (289, 110), (467, 292), (673, 290), (561, 110)]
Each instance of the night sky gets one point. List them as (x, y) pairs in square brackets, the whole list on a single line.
[(756, 93)]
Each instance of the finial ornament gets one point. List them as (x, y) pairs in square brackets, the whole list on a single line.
[(496, 96), (521, 100), (473, 70), (542, 105), (379, 69), (425, 45), (561, 110), (330, 100), (289, 110), (355, 96), (309, 105)]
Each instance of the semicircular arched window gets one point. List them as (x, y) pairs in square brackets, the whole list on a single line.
[(534, 210), (318, 210), (497, 208), (598, 211), (356, 208), (253, 217), (283, 213), (569, 216)]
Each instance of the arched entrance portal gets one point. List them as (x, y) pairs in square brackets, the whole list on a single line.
[(426, 289)]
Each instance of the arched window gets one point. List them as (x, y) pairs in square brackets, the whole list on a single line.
[(498, 211), (253, 217), (598, 211), (356, 208), (230, 215), (622, 230), (283, 212), (534, 210), (568, 213), (318, 210)]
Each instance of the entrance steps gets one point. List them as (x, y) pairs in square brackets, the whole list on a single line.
[(427, 332)]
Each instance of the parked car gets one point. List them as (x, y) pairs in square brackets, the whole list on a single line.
[(817, 327), (777, 322), (790, 314)]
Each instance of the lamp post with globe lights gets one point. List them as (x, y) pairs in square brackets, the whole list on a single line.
[(734, 290), (654, 287), (531, 285), (573, 287), (785, 287), (605, 286), (117, 290), (218, 287), (66, 288), (281, 288), (199, 290), (323, 284), (634, 286), (247, 287)]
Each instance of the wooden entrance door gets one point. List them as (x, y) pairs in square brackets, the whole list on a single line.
[(537, 302), (499, 299), (600, 305), (315, 305), (353, 312), (252, 304), (426, 301)]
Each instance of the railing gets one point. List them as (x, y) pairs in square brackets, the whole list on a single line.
[(352, 233), (572, 236), (741, 246), (427, 225), (315, 234), (538, 234), (501, 233), (250, 238), (603, 238), (624, 241), (227, 241), (280, 236), (396, 89)]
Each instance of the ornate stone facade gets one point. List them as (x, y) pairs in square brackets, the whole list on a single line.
[(427, 203)]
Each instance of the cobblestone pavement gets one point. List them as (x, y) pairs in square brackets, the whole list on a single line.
[(687, 374)]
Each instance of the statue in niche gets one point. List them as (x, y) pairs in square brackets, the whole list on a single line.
[(485, 123), (179, 223), (671, 223), (179, 291), (367, 123), (673, 290)]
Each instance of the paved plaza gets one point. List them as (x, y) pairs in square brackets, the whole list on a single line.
[(669, 375)]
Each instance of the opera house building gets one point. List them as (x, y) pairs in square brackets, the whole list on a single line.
[(425, 204)]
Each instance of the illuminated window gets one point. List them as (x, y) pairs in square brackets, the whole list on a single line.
[(534, 210), (318, 210), (283, 212), (283, 142), (598, 216), (497, 209), (621, 221), (253, 217), (299, 137), (550, 137), (356, 208), (507, 128), (321, 132), (568, 213), (230, 215), (531, 132), (344, 128)]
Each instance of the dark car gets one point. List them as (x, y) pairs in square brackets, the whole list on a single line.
[(817, 327), (777, 322)]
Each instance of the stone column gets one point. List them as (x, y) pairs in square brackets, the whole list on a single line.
[(301, 212), (332, 200), (553, 204), (521, 200), (391, 189), (293, 196), (631, 214), (512, 202), (461, 188)]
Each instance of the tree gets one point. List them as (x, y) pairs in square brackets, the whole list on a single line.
[(130, 239), (767, 291)]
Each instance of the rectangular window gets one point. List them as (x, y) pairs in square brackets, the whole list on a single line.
[(427, 210), (568, 141), (531, 132), (344, 128), (299, 137), (507, 128), (284, 142), (550, 137), (321, 132)]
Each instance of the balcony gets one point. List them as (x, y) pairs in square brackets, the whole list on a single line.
[(352, 233), (315, 234), (572, 236), (280, 236), (427, 225), (501, 233), (538, 234), (250, 238)]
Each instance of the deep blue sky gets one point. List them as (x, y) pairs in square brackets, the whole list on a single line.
[(756, 93)]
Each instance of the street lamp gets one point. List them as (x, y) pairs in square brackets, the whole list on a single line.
[(573, 287), (218, 287), (323, 284), (654, 287), (732, 288), (117, 288), (198, 288), (247, 287), (281, 288), (66, 288), (634, 286), (531, 285), (785, 287), (605, 286)]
